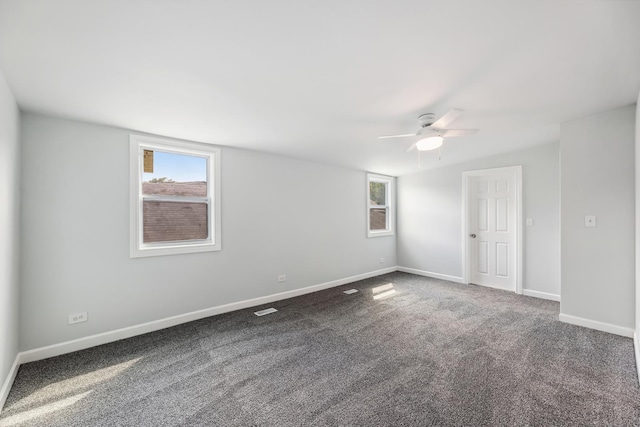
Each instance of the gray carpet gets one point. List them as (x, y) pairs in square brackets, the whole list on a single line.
[(432, 353)]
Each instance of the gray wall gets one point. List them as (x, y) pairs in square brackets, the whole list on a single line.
[(9, 228), (597, 175), (279, 216), (430, 217)]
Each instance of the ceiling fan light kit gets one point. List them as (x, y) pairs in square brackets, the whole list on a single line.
[(429, 143)]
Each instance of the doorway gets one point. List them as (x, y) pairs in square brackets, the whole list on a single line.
[(492, 228)]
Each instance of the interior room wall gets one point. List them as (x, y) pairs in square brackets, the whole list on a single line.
[(598, 263), (430, 217), (9, 232), (279, 216)]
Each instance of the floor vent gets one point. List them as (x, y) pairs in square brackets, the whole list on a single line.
[(265, 311), (350, 291)]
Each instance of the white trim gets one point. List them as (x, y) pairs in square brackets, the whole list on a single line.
[(543, 295), (391, 205), (8, 382), (431, 274), (636, 347), (599, 326), (137, 248), (519, 233), (131, 331), (466, 265)]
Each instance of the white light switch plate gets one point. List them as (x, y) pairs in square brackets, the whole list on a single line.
[(590, 221), (529, 222)]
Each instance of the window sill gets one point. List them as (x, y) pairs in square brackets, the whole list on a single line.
[(172, 250), (382, 233)]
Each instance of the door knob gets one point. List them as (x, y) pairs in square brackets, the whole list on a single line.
[(473, 236)]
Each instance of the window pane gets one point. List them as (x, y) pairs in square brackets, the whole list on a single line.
[(377, 193), (378, 219), (176, 175), (172, 221)]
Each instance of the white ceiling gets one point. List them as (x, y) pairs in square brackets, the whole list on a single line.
[(320, 80)]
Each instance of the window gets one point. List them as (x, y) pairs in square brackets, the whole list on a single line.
[(175, 197), (380, 205)]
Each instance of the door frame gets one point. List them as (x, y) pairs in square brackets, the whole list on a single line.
[(466, 219)]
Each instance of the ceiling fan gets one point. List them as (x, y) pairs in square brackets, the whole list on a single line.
[(433, 132)]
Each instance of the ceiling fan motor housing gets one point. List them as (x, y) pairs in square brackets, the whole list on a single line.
[(426, 120)]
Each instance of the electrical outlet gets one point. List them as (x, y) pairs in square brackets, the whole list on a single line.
[(282, 278), (381, 260), (78, 318)]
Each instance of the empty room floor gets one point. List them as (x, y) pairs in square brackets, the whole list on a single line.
[(404, 350)]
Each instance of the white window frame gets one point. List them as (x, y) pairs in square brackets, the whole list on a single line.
[(390, 206), (138, 249)]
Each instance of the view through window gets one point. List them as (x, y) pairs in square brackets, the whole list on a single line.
[(380, 205), (378, 208), (175, 202)]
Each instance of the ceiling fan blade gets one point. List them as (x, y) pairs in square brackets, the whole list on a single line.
[(397, 136), (449, 133), (450, 116), (411, 148)]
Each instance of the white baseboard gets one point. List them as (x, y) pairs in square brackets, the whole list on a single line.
[(543, 295), (8, 382), (599, 326), (636, 347), (131, 331), (430, 274)]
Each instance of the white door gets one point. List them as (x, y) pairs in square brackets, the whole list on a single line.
[(492, 229)]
